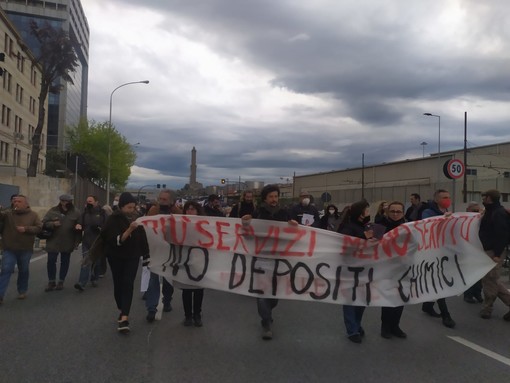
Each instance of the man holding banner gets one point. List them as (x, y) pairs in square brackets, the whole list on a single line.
[(439, 206), (494, 233), (269, 209)]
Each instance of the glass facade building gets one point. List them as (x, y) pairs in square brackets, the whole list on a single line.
[(67, 107)]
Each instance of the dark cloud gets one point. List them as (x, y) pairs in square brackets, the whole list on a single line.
[(376, 68)]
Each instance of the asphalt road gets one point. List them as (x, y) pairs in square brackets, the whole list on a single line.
[(67, 336)]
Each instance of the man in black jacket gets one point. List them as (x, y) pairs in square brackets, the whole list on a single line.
[(494, 233), (269, 209), (245, 206)]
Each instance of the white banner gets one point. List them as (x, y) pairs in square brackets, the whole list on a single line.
[(416, 262)]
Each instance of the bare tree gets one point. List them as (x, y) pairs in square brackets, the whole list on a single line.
[(57, 58)]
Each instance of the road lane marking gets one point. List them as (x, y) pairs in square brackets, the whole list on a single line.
[(482, 350), (38, 257)]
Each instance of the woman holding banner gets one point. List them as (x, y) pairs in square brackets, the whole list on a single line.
[(390, 316), (125, 242), (192, 296), (355, 224)]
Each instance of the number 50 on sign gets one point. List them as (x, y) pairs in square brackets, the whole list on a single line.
[(454, 169)]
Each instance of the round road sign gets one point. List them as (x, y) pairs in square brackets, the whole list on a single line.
[(454, 169)]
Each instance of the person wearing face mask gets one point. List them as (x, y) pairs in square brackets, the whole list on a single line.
[(354, 224), (63, 220), (165, 205), (439, 206), (125, 242), (304, 212), (494, 231), (331, 220), (91, 223)]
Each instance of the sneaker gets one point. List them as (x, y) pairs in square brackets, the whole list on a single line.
[(448, 322), (507, 316), (470, 299), (124, 327), (51, 286), (187, 322), (356, 338), (60, 286), (151, 316), (197, 321), (167, 307), (479, 298), (79, 287), (267, 334), (22, 296)]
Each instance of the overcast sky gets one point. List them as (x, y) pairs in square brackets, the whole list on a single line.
[(267, 88)]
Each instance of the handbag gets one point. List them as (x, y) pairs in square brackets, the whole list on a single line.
[(45, 234)]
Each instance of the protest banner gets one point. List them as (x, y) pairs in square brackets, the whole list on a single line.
[(416, 262)]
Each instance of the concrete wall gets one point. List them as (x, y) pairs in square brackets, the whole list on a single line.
[(42, 191)]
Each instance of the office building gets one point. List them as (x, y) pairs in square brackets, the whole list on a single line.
[(19, 93), (66, 107)]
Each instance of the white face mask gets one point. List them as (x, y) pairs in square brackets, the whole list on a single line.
[(306, 201), (115, 202), (331, 211)]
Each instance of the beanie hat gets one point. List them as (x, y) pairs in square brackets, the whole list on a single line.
[(126, 198), (269, 189)]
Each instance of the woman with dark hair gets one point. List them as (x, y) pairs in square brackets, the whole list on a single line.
[(192, 296), (355, 225), (382, 209), (331, 219), (125, 242)]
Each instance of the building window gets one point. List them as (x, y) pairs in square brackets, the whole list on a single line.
[(6, 116), (4, 151), (16, 157), (471, 172), (33, 77), (19, 93), (18, 124), (7, 80)]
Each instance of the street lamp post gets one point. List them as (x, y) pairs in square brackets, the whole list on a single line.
[(438, 143), (109, 137), (423, 144)]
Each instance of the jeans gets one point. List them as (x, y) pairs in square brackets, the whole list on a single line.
[(352, 319), (85, 270), (124, 274), (152, 293), (51, 265), (9, 259), (265, 308)]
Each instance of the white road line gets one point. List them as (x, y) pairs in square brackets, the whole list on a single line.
[(39, 257), (481, 350)]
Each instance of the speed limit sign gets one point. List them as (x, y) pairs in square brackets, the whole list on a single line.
[(454, 169)]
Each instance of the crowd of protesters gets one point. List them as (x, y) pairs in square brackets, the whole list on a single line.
[(123, 242)]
